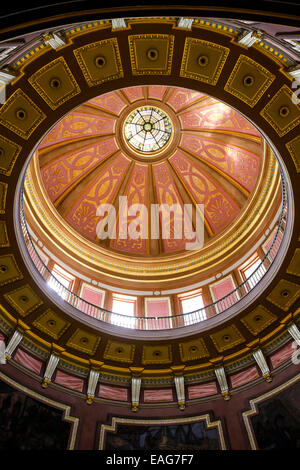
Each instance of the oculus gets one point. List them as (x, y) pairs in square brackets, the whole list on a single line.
[(147, 129)]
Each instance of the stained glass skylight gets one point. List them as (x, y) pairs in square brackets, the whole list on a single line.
[(147, 129)]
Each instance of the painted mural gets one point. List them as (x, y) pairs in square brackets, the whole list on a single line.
[(27, 424), (192, 436), (277, 424)]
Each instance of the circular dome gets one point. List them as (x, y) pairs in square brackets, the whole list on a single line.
[(149, 185), (152, 146), (217, 357)]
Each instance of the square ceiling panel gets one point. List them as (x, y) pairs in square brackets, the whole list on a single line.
[(151, 53), (203, 60), (55, 83), (248, 80), (100, 61)]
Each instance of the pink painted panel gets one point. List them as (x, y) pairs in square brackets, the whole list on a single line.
[(202, 390), (92, 296), (77, 125), (28, 361), (134, 93), (62, 173), (282, 355), (244, 376), (158, 308), (182, 97), (136, 193), (241, 165), (82, 215), (113, 393), (158, 395), (167, 193), (219, 208), (109, 102), (222, 289), (216, 116), (69, 381), (156, 91)]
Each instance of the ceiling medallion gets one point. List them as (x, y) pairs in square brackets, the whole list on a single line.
[(147, 129)]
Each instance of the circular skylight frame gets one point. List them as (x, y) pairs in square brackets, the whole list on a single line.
[(147, 130)]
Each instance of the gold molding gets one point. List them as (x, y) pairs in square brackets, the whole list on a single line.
[(61, 72), (12, 272), (13, 150), (258, 319), (3, 195), (16, 103), (294, 149), (48, 401), (162, 422), (19, 304), (191, 69), (273, 111), (122, 352), (160, 354), (84, 341), (227, 338), (91, 73), (254, 410), (258, 71), (4, 241), (141, 63), (52, 324), (294, 266)]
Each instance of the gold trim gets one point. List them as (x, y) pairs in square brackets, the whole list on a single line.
[(212, 80), (61, 406), (254, 410), (3, 228), (84, 68), (25, 134), (169, 39), (281, 131), (34, 83), (269, 78), (3, 197), (162, 422), (293, 152)]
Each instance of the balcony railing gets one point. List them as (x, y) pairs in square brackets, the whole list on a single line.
[(157, 322)]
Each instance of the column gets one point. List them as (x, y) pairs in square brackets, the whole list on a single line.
[(221, 377), (51, 366), (262, 363), (179, 385), (13, 343), (294, 332), (93, 381)]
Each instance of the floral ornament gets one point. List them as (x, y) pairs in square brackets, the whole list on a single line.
[(163, 175), (219, 210), (139, 178), (54, 178), (181, 164), (85, 218), (246, 170)]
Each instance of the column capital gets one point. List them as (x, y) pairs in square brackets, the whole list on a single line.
[(136, 371), (178, 370)]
